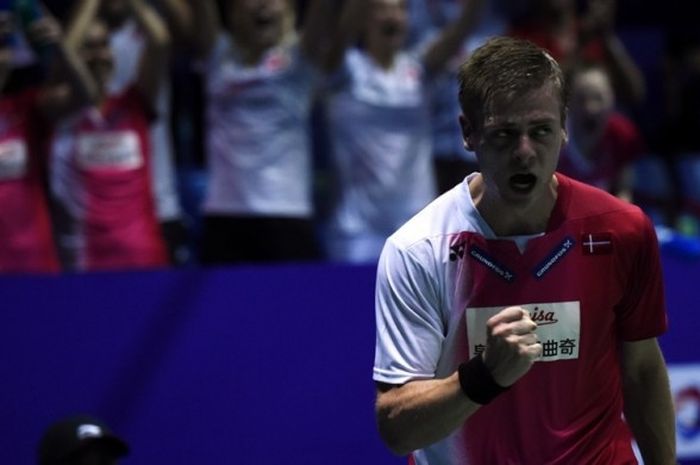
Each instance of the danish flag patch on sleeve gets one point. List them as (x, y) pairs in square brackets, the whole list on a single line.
[(596, 243)]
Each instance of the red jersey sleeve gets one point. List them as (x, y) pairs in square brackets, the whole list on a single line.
[(641, 313)]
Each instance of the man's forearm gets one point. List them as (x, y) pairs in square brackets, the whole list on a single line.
[(650, 414), (420, 413)]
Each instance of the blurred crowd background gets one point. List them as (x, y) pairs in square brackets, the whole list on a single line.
[(155, 133)]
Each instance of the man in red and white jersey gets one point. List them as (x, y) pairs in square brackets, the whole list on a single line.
[(517, 314)]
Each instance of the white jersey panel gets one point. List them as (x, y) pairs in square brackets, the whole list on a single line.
[(258, 143), (68, 191), (379, 128), (127, 44), (421, 250)]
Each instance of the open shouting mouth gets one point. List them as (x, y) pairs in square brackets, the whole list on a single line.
[(523, 182)]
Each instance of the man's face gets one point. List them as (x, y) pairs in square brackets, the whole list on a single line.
[(518, 145), (260, 23), (592, 101), (388, 23)]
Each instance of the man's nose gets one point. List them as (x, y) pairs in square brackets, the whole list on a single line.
[(525, 149)]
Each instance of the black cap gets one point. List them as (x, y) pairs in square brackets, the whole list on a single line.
[(71, 435)]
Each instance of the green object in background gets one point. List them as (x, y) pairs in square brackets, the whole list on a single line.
[(688, 225)]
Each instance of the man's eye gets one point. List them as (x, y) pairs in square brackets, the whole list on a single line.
[(502, 134), (542, 131)]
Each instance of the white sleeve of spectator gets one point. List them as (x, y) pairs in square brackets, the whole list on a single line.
[(410, 332), (222, 47), (163, 174)]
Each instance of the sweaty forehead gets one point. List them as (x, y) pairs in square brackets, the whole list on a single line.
[(533, 118), (537, 105)]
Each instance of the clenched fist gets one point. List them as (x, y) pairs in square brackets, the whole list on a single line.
[(511, 346)]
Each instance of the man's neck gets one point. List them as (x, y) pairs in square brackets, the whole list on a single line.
[(509, 220)]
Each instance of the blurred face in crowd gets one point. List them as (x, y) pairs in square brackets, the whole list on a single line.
[(96, 53), (592, 101), (260, 23), (114, 12), (517, 145), (387, 25)]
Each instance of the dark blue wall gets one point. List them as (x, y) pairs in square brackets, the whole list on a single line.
[(247, 366)]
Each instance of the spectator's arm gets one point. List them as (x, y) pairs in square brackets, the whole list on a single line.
[(83, 14), (450, 40), (70, 85), (206, 26), (154, 61), (327, 34), (179, 18), (628, 79)]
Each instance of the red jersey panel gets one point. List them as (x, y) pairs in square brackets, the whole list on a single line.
[(582, 284), (26, 239), (102, 176)]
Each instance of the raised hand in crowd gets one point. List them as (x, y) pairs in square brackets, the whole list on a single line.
[(598, 23)]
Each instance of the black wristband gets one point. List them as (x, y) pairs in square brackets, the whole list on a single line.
[(477, 383)]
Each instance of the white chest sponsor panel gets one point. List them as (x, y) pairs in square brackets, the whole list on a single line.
[(558, 328), (13, 159), (109, 150)]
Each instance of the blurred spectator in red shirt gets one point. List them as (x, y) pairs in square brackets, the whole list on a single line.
[(101, 155), (26, 238), (127, 41), (602, 142)]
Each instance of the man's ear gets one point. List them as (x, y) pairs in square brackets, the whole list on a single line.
[(467, 133), (564, 136)]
